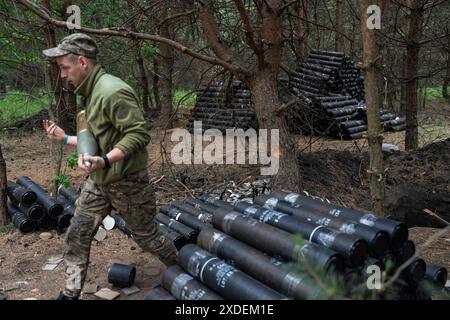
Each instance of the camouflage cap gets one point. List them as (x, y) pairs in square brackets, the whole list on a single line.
[(76, 43)]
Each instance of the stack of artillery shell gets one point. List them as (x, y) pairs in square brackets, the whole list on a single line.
[(399, 254), (223, 106), (329, 72), (336, 116), (334, 88), (389, 121), (243, 249), (31, 208)]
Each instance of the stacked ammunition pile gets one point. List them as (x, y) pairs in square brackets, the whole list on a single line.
[(335, 88), (31, 208), (241, 250), (329, 72), (223, 105), (325, 115), (389, 121)]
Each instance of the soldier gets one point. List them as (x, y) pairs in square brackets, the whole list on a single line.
[(118, 177)]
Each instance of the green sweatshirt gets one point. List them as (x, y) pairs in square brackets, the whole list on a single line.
[(116, 120)]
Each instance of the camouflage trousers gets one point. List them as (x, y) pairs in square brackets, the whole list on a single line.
[(134, 198)]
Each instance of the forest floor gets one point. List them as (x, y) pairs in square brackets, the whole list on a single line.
[(329, 168)]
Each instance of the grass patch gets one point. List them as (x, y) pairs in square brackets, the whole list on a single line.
[(185, 98), (6, 229), (433, 122), (19, 105), (432, 93)]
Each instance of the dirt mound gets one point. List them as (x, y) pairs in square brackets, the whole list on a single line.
[(415, 181), (337, 176)]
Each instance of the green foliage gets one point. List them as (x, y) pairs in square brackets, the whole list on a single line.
[(389, 266), (184, 98), (433, 93), (148, 50), (72, 160), (61, 180), (18, 105), (298, 239), (13, 52)]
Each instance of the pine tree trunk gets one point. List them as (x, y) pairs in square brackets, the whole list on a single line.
[(2, 88), (371, 64), (165, 83), (4, 217), (140, 62), (265, 100), (165, 72), (414, 20), (339, 46), (56, 88), (445, 93), (155, 87), (301, 32), (353, 44), (317, 23), (142, 76), (263, 84), (55, 79), (68, 119)]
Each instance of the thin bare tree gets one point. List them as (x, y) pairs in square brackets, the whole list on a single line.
[(4, 217), (371, 65), (339, 44), (414, 27), (139, 61), (301, 31)]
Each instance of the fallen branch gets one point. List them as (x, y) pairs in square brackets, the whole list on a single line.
[(157, 180), (434, 215), (187, 189)]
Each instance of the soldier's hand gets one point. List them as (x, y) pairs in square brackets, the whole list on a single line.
[(54, 132), (90, 164)]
